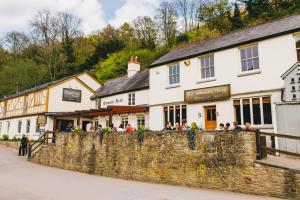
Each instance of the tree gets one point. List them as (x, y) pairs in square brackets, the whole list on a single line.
[(166, 20), (188, 10), (16, 42), (236, 19), (216, 15), (145, 31)]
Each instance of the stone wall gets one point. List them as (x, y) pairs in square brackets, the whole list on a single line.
[(10, 144), (221, 160)]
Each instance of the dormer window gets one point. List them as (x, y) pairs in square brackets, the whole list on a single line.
[(292, 80), (293, 89)]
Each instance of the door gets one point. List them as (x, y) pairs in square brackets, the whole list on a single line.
[(84, 123), (210, 118)]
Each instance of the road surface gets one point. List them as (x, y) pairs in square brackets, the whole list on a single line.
[(23, 180)]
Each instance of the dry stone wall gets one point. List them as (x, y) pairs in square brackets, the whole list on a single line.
[(220, 160)]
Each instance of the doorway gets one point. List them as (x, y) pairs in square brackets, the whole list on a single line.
[(64, 125), (84, 123), (210, 118)]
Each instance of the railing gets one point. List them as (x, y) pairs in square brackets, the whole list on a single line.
[(43, 139), (263, 150)]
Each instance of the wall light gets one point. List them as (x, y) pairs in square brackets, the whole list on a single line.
[(187, 62)]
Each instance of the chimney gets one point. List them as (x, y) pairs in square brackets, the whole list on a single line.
[(133, 66)]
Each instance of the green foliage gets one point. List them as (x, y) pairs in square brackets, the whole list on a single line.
[(5, 137), (14, 139), (236, 19), (116, 64)]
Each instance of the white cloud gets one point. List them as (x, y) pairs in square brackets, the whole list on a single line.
[(15, 14), (131, 9)]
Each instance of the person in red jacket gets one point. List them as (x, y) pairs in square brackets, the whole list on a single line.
[(129, 128)]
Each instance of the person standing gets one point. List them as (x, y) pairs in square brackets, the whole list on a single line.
[(129, 128), (26, 144), (22, 145)]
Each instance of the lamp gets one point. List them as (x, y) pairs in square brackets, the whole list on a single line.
[(187, 62)]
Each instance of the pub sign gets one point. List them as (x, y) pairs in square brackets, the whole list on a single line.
[(71, 95), (216, 93)]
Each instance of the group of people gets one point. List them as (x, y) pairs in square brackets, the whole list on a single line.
[(235, 126), (128, 128), (23, 145), (226, 127)]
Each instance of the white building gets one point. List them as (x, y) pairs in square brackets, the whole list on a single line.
[(127, 97), (236, 77), (29, 112)]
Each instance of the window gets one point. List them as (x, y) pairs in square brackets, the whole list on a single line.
[(249, 58), (37, 128), (19, 126), (256, 110), (107, 123), (131, 99), (298, 47), (174, 74), (207, 67), (98, 103), (175, 114), (0, 126), (292, 80), (124, 122), (8, 126), (27, 126), (141, 121)]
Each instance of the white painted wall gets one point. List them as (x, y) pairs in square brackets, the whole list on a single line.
[(13, 130), (276, 56), (89, 81), (141, 98), (56, 104), (117, 119)]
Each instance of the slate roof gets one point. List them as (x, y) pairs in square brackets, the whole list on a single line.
[(253, 34), (30, 90), (124, 84)]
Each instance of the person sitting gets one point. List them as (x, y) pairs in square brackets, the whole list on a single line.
[(248, 127), (221, 127), (120, 129), (184, 126), (169, 127), (227, 126), (177, 127), (236, 126), (129, 128)]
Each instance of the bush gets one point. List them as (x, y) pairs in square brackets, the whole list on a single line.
[(14, 139), (5, 137)]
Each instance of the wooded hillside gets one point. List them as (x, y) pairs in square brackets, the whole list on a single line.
[(54, 46)]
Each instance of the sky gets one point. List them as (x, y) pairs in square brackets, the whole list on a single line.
[(95, 14)]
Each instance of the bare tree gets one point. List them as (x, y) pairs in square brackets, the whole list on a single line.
[(166, 21), (68, 26), (16, 42), (188, 11), (145, 31)]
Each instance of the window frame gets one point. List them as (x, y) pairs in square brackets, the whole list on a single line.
[(204, 67), (138, 118), (126, 121), (19, 126), (252, 58), (262, 117), (182, 106), (8, 126), (28, 124), (174, 76), (131, 99)]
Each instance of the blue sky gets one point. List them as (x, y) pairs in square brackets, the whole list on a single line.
[(95, 14)]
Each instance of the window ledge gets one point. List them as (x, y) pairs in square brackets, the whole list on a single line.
[(173, 86), (252, 72), (206, 80)]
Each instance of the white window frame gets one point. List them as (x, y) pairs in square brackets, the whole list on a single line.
[(124, 119), (174, 112), (19, 126), (131, 99), (252, 58), (251, 110), (8, 126), (98, 103), (297, 37), (140, 118), (207, 64), (28, 124), (174, 74)]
